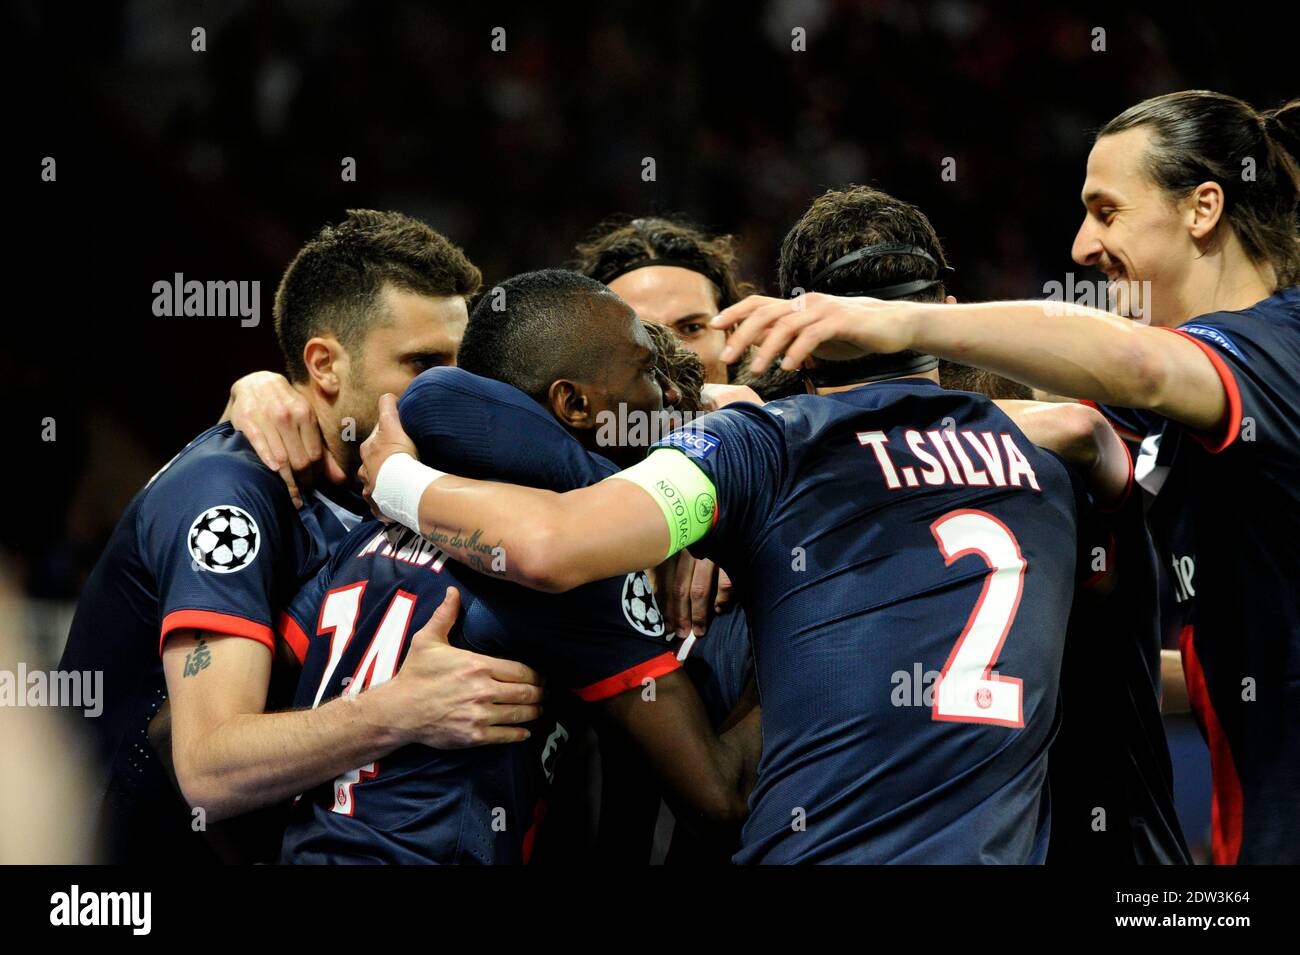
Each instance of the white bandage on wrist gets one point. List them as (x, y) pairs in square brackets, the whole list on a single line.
[(400, 484)]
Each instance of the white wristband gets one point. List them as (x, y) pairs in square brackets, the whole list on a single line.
[(400, 484)]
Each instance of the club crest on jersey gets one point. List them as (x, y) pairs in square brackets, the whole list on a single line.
[(695, 443), (224, 539), (639, 605)]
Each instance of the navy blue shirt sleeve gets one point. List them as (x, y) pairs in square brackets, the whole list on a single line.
[(598, 640), (1254, 359), (741, 449), (1131, 424), (477, 428), (721, 663), (214, 530)]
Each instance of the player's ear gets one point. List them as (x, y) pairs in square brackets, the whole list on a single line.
[(1205, 209), (327, 364), (570, 404)]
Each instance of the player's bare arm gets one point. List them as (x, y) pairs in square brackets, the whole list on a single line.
[(1059, 348), (533, 537), (1082, 436), (230, 756), (707, 776)]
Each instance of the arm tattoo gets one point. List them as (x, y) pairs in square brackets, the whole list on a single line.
[(472, 550), (197, 659)]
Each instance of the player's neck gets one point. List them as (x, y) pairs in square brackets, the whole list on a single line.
[(1227, 282), (330, 426), (932, 375)]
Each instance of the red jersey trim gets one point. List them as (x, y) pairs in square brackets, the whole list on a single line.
[(1225, 806), (621, 682), (222, 623), (1230, 389), (530, 837), (292, 634)]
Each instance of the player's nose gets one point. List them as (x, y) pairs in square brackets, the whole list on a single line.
[(1087, 246)]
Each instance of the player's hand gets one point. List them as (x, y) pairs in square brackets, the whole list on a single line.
[(692, 593), (280, 425), (387, 439), (716, 396), (826, 326), (450, 698)]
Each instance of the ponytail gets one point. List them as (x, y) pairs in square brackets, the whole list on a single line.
[(1200, 136)]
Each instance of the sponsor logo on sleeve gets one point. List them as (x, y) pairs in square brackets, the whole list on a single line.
[(1214, 336), (224, 539), (697, 444)]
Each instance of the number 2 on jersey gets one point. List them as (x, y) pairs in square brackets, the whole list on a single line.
[(968, 691)]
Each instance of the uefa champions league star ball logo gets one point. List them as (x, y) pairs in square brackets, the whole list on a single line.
[(224, 539), (639, 605)]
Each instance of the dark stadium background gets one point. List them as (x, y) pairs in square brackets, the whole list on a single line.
[(219, 164)]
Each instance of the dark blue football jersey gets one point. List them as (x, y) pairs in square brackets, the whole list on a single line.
[(212, 542), (1228, 508), (720, 663), (1172, 549), (478, 805), (906, 559), (1110, 772)]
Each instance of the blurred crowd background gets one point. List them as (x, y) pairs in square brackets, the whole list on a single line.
[(219, 164)]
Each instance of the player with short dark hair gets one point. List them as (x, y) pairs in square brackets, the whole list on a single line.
[(605, 641), (180, 611), (548, 305), (341, 281)]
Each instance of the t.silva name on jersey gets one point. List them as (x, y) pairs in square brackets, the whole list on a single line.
[(953, 457)]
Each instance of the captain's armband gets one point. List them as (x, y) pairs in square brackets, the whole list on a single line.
[(683, 492)]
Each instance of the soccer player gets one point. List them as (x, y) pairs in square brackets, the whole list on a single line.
[(1211, 258), (672, 274), (181, 607), (873, 533), (1112, 757), (564, 343), (522, 352), (686, 591)]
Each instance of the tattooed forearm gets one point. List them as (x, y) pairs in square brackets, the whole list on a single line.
[(197, 659), (472, 550)]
